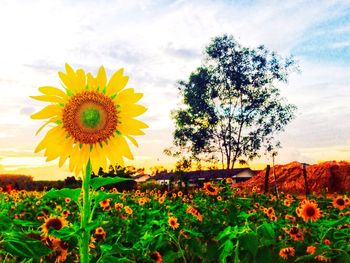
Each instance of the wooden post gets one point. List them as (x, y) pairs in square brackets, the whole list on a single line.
[(266, 187), (307, 190), (274, 175)]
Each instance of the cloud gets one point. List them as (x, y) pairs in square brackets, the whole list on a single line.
[(161, 42), (27, 110)]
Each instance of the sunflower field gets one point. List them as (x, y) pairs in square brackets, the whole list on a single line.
[(215, 223)]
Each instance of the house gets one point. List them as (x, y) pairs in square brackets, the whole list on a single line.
[(196, 178)]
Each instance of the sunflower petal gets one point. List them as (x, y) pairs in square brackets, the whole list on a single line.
[(133, 110), (80, 80), (47, 112), (53, 119), (128, 96), (132, 140), (120, 145), (101, 78), (52, 91), (117, 82), (49, 98)]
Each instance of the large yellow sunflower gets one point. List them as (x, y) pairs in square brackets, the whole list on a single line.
[(92, 118)]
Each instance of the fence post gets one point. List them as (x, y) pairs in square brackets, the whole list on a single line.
[(307, 190), (266, 185)]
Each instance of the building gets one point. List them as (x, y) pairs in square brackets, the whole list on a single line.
[(196, 178)]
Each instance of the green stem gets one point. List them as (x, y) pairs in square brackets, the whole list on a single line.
[(85, 216)]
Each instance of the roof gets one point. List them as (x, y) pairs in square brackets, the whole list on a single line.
[(202, 175)]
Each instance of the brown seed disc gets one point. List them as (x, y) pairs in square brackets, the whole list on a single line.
[(90, 117)]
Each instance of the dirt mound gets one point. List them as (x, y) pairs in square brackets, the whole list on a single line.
[(324, 177)]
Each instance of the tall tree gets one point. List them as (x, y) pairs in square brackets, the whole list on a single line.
[(232, 108)]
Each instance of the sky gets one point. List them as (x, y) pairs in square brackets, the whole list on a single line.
[(160, 42)]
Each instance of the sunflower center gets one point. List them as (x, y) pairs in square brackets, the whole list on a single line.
[(55, 223), (310, 211), (90, 117), (340, 201)]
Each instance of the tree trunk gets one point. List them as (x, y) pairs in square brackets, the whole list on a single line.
[(266, 185)]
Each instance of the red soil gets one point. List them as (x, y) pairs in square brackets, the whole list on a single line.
[(326, 177)]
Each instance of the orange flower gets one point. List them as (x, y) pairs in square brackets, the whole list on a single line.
[(179, 194), (118, 206), (326, 242), (287, 252), (322, 258), (173, 222), (210, 189), (141, 201), (309, 211), (65, 213), (339, 203), (161, 200), (295, 233), (219, 198), (104, 203), (270, 211), (128, 210), (67, 200), (157, 257), (287, 202), (100, 233), (311, 250), (53, 223)]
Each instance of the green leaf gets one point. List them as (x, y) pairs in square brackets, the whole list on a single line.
[(228, 231), (250, 242), (100, 196), (5, 223), (102, 181), (19, 245), (236, 260), (267, 233), (226, 251), (63, 193)]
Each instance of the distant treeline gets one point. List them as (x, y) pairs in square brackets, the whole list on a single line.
[(25, 182)]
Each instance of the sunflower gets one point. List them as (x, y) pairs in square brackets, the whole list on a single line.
[(339, 203), (287, 252), (311, 249), (128, 210), (161, 200), (210, 189), (92, 118), (100, 233), (173, 222), (309, 211), (287, 202), (157, 257), (54, 222), (322, 258)]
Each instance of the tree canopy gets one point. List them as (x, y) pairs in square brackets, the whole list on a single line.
[(232, 109)]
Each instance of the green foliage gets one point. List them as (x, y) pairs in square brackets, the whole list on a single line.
[(228, 230), (231, 106)]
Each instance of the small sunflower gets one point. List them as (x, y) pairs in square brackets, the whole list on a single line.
[(210, 189), (173, 222), (311, 249), (309, 211), (128, 210), (54, 222), (92, 118), (339, 203), (157, 257), (100, 233), (287, 252)]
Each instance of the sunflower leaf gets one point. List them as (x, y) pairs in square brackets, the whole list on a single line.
[(63, 193), (101, 181)]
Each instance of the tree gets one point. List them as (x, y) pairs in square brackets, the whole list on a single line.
[(232, 109)]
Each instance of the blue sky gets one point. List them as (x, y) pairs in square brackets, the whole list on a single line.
[(161, 42)]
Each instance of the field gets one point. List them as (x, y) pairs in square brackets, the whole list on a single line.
[(216, 223)]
